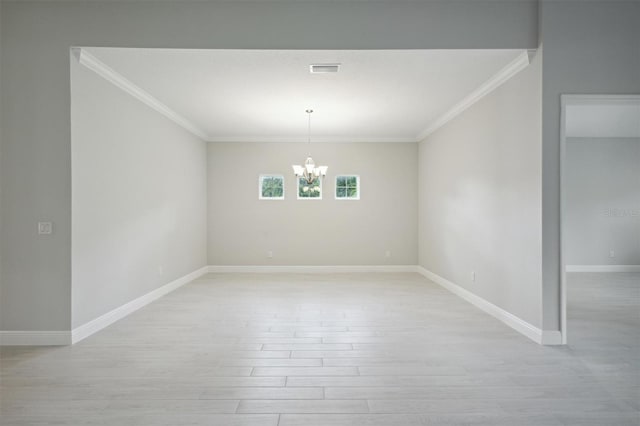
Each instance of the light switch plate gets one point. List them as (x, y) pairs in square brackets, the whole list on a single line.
[(45, 228)]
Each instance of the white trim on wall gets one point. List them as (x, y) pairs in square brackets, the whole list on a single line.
[(311, 269), (563, 238), (543, 337), (118, 80), (35, 338), (521, 62), (56, 338), (603, 268), (316, 139), (61, 338), (93, 326)]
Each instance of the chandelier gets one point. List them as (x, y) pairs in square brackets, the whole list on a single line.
[(309, 172)]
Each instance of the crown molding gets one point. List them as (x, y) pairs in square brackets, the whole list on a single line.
[(103, 70), (289, 139), (511, 69), (91, 62)]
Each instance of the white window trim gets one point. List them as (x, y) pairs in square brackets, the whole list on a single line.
[(309, 198), (260, 178), (335, 188)]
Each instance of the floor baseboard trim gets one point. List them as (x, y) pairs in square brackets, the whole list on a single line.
[(93, 326), (532, 332), (58, 338), (603, 268), (35, 338), (551, 337), (324, 269)]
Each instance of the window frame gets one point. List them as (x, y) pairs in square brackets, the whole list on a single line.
[(270, 175), (335, 192), (309, 198)]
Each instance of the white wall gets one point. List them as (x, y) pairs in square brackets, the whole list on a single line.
[(479, 191), (602, 201), (589, 48), (243, 228), (138, 198), (36, 149)]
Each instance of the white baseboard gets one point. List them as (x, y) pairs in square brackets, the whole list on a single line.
[(532, 332), (603, 268), (109, 318), (46, 338), (61, 338), (310, 269), (35, 338), (551, 337)]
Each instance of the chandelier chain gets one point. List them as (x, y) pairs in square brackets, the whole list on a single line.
[(309, 111), (308, 171)]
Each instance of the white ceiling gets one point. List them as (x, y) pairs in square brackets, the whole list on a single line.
[(617, 119), (261, 95)]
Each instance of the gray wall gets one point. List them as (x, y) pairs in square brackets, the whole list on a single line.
[(243, 228), (589, 48), (479, 191), (1, 133), (35, 103), (602, 201), (138, 197)]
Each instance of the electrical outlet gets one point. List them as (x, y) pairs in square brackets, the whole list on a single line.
[(473, 275), (612, 253), (269, 254), (387, 253), (45, 228), (160, 270)]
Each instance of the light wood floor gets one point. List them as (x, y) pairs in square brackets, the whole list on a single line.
[(343, 349)]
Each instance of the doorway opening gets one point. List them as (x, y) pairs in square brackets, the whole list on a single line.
[(600, 210)]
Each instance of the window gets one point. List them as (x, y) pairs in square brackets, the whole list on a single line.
[(347, 187), (271, 187), (311, 192)]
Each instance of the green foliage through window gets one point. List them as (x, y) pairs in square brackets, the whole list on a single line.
[(348, 187), (271, 187), (309, 191)]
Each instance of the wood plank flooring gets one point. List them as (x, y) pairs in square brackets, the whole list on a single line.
[(335, 349)]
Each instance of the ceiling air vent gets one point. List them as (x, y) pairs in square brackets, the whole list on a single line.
[(323, 68)]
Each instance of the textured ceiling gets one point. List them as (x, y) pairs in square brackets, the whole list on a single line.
[(261, 95)]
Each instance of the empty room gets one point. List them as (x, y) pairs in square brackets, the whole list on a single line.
[(314, 212)]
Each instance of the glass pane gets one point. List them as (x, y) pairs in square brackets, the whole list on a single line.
[(341, 192), (272, 186), (352, 181), (302, 185), (352, 192), (341, 181), (308, 191)]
